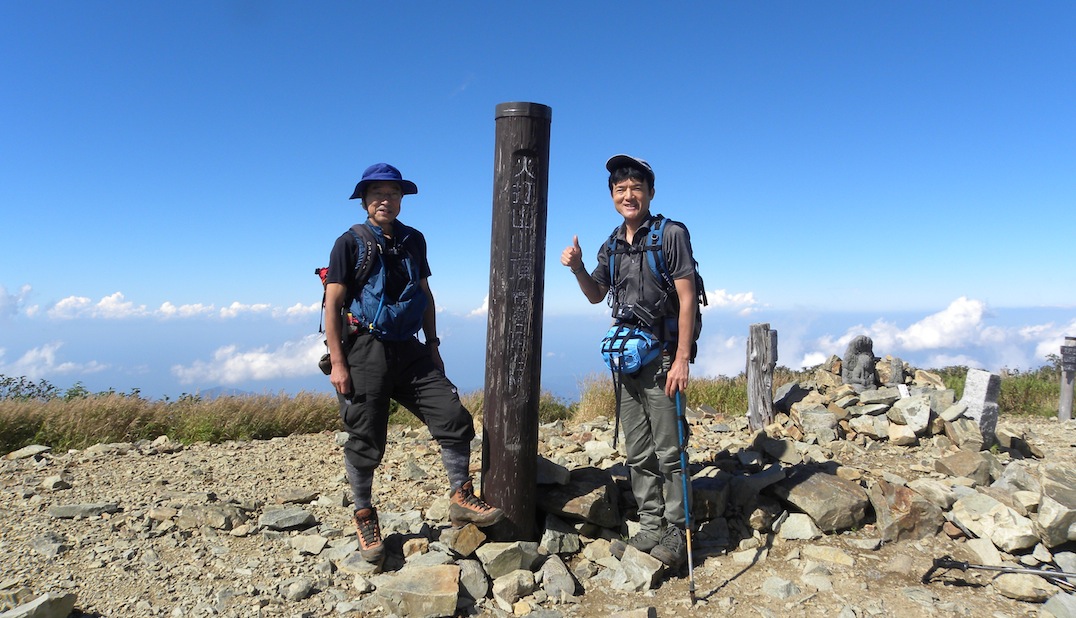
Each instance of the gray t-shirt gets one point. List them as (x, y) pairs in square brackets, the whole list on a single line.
[(633, 278)]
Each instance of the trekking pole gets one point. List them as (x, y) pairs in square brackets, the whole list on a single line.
[(685, 474), (946, 562)]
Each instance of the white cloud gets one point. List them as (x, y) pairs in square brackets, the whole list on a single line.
[(111, 307), (169, 310), (41, 362), (236, 308), (952, 360), (482, 310), (230, 365), (10, 303), (958, 324), (300, 310), (721, 356), (743, 303), (956, 335), (116, 306), (1049, 337)]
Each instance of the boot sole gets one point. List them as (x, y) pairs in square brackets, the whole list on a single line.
[(459, 522)]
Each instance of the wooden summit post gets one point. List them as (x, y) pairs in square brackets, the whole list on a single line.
[(514, 327), (761, 361), (1068, 371)]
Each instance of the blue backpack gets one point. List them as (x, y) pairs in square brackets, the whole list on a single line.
[(387, 319), (655, 258), (370, 310)]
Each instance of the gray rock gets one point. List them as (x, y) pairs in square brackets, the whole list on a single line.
[(638, 571), (220, 517), (1024, 587), (797, 526), (286, 518), (511, 587), (503, 558), (872, 409), (464, 541), (589, 496), (901, 435), (1056, 519), (557, 580), (886, 395), (50, 544), (474, 584), (965, 434), (902, 514), (355, 565), (296, 589), (28, 451), (788, 394), (955, 411), (913, 411), (874, 427), (48, 605), (295, 495), (422, 592), (779, 588), (965, 464), (981, 390), (309, 544), (559, 537), (1061, 605), (938, 493), (55, 483), (985, 517), (832, 502), (73, 511), (820, 422), (550, 473)]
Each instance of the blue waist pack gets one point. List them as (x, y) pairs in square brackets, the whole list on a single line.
[(627, 349)]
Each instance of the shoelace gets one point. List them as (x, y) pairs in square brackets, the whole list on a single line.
[(469, 499), (370, 531)]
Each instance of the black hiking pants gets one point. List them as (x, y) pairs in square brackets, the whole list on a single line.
[(404, 371)]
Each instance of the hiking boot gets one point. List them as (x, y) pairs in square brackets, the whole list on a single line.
[(643, 540), (466, 508), (672, 549), (368, 531)]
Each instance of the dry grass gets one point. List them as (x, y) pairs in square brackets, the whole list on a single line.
[(33, 414)]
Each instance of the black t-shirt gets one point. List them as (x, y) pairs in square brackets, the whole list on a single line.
[(345, 255)]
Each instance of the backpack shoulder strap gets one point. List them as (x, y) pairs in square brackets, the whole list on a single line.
[(611, 243), (655, 254), (368, 248)]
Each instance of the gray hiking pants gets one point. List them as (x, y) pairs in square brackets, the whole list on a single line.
[(648, 418)]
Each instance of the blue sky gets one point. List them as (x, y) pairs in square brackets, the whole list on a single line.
[(171, 174)]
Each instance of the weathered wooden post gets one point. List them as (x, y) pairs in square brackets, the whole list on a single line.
[(1068, 370), (514, 327), (761, 361)]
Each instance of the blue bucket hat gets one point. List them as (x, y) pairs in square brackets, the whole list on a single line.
[(383, 171)]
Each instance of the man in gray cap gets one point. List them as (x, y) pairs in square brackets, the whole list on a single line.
[(647, 397), (376, 300)]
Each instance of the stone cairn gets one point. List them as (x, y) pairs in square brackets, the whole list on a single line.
[(986, 486)]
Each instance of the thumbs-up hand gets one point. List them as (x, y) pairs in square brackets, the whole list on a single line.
[(572, 256)]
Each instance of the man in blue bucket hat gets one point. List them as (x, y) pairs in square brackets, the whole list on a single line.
[(377, 299), (664, 308)]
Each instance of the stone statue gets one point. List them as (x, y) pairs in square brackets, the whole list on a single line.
[(857, 367)]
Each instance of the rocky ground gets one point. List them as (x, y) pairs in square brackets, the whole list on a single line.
[(144, 546)]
